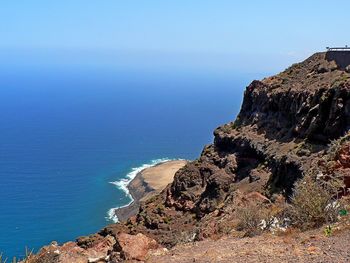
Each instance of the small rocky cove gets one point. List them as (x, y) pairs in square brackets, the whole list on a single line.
[(290, 126)]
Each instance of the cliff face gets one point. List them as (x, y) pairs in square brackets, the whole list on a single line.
[(282, 132), (286, 122)]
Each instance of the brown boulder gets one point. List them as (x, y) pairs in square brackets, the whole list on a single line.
[(134, 247), (344, 156)]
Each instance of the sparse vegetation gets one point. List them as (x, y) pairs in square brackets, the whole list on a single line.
[(27, 259), (2, 260), (329, 171), (316, 197), (160, 209), (312, 205), (340, 81), (249, 218), (167, 219), (336, 145), (226, 128), (328, 231), (306, 148)]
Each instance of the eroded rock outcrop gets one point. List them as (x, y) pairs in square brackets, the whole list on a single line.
[(134, 247)]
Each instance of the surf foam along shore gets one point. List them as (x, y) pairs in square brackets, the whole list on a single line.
[(123, 183)]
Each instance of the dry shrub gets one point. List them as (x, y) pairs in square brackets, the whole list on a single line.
[(249, 218), (29, 258), (254, 217), (312, 205)]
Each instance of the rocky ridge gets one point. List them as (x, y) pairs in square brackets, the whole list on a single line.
[(283, 131)]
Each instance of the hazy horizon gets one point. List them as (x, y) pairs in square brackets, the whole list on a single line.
[(251, 37)]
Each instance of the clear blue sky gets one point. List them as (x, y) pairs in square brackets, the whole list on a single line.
[(217, 31)]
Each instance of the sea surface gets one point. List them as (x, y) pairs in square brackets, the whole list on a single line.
[(66, 134)]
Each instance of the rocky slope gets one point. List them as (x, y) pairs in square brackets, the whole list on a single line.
[(283, 131)]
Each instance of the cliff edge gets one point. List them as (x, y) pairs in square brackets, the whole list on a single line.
[(291, 124)]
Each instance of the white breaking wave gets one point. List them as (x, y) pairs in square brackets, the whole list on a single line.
[(122, 184)]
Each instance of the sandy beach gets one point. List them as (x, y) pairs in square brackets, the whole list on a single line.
[(148, 183)]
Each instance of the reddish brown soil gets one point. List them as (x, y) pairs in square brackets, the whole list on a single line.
[(305, 247)]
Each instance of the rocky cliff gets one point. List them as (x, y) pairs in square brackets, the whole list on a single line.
[(283, 131)]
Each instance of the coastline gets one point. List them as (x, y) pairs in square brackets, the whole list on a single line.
[(147, 182)]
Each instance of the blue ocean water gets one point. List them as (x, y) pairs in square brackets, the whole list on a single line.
[(65, 134)]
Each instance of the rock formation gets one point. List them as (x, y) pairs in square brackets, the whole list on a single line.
[(283, 131)]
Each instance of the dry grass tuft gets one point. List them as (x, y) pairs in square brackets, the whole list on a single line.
[(27, 259), (249, 218), (312, 205)]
